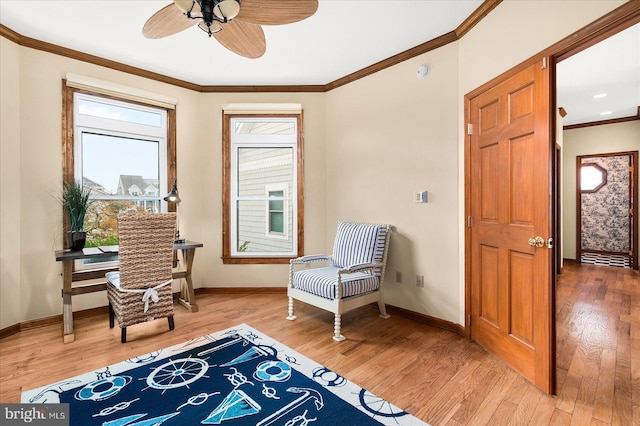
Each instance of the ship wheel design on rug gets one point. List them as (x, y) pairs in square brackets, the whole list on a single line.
[(178, 373), (378, 406)]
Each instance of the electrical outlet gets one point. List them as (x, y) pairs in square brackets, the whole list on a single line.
[(419, 280), (398, 276)]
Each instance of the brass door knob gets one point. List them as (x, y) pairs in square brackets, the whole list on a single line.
[(536, 242)]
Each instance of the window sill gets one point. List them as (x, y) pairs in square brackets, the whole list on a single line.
[(228, 260)]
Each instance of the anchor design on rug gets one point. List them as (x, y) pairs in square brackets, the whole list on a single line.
[(308, 394)]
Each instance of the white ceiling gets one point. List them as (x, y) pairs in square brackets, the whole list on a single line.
[(342, 37), (611, 67)]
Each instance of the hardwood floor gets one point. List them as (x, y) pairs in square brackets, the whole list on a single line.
[(435, 375)]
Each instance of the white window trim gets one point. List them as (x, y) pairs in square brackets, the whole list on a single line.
[(99, 125), (264, 141)]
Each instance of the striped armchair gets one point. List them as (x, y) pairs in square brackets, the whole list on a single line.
[(352, 276)]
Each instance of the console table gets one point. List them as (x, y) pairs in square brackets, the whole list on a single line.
[(187, 295)]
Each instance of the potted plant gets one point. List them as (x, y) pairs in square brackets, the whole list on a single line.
[(75, 202)]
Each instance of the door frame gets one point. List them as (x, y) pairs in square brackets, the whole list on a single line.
[(615, 21)]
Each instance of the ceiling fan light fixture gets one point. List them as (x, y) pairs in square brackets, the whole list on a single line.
[(188, 6), (226, 10), (215, 27)]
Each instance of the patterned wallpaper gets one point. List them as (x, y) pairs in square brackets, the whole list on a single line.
[(605, 213)]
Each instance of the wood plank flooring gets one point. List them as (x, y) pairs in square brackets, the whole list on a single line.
[(435, 375)]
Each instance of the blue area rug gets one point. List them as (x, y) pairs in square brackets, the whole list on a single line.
[(237, 376)]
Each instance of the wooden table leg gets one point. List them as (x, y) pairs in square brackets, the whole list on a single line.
[(188, 299), (67, 310)]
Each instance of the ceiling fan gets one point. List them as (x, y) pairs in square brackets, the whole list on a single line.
[(236, 24)]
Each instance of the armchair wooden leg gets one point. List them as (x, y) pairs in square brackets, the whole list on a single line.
[(123, 335), (171, 324), (111, 316), (336, 329), (383, 309), (291, 317)]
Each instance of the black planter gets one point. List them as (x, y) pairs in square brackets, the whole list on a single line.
[(76, 240)]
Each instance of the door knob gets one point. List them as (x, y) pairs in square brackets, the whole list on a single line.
[(536, 242)]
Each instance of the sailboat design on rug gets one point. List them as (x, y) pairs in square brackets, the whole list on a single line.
[(235, 405), (251, 353), (126, 421)]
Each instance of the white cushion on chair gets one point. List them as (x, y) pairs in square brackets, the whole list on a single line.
[(113, 278), (323, 281), (358, 243)]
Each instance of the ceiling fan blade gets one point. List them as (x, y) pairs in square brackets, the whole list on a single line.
[(243, 38), (167, 21), (276, 12)]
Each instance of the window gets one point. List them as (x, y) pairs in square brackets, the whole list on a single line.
[(592, 177), (276, 212), (124, 153), (263, 188)]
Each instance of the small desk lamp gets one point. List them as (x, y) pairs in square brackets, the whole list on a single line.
[(173, 197)]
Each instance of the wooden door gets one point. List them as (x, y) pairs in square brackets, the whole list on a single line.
[(509, 195)]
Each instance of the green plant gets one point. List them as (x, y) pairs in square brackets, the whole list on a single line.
[(244, 246), (76, 199)]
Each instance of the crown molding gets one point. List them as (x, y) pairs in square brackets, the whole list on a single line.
[(483, 10), (601, 122)]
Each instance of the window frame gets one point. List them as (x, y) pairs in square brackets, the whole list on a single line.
[(228, 257), (68, 157)]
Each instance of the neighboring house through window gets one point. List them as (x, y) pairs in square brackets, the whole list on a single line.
[(124, 152), (262, 188)]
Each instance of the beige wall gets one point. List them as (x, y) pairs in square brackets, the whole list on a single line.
[(32, 174), (389, 136), (10, 183), (369, 146), (620, 137)]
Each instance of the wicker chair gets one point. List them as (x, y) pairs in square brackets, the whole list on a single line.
[(141, 290), (353, 277)]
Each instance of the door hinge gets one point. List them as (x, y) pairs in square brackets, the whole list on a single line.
[(544, 63), (469, 129), (469, 320), (468, 221)]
